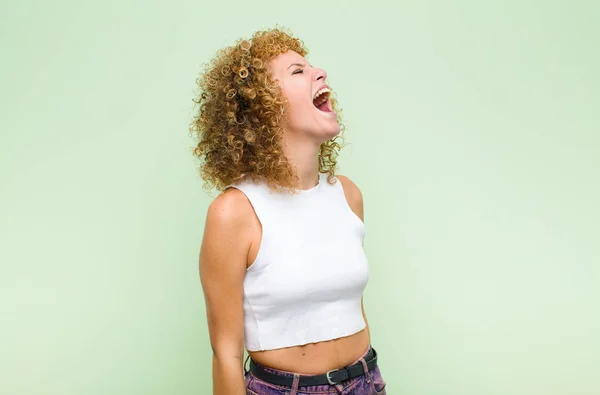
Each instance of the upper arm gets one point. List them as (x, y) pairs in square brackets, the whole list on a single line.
[(353, 196), (222, 266)]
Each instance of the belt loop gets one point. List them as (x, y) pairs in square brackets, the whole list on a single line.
[(295, 384), (366, 369)]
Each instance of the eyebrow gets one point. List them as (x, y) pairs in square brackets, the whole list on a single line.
[(296, 64)]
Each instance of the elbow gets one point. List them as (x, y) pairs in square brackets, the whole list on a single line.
[(227, 354)]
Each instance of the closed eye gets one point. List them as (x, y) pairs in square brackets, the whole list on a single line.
[(299, 71)]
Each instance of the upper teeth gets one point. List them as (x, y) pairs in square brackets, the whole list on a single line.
[(321, 91)]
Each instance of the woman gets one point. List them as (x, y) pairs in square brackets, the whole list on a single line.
[(282, 264)]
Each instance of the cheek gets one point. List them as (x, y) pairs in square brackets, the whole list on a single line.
[(298, 94), (296, 99), (298, 108)]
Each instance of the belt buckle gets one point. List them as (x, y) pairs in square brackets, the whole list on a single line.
[(329, 379)]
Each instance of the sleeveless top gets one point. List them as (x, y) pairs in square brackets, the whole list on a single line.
[(307, 281)]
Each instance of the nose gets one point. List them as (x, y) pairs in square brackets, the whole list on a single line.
[(320, 74)]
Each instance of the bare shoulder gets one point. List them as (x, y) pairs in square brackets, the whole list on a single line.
[(353, 195), (228, 226), (225, 239), (230, 206)]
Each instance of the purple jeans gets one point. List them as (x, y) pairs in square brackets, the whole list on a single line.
[(370, 383)]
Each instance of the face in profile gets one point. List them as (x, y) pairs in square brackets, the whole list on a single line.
[(305, 87)]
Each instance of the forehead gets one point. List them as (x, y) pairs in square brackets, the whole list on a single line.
[(281, 62)]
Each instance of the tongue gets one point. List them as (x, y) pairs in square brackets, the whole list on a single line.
[(323, 107)]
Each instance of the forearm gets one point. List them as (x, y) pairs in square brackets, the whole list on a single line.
[(228, 377)]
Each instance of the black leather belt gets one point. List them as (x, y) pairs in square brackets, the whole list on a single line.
[(332, 377)]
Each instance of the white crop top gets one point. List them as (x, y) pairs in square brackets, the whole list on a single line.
[(308, 278)]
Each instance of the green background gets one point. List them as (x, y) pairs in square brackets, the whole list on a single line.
[(474, 136)]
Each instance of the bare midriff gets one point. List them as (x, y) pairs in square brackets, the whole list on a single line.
[(316, 358)]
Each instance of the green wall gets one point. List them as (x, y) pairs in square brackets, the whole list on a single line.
[(474, 136)]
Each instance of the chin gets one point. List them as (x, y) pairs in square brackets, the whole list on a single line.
[(334, 133), (317, 132), (329, 134)]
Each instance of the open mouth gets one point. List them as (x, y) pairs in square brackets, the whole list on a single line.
[(321, 100)]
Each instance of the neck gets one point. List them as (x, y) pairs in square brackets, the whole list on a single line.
[(304, 159)]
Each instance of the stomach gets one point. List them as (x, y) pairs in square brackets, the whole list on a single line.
[(316, 358)]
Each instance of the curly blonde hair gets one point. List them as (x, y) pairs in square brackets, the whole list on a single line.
[(241, 107)]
